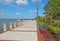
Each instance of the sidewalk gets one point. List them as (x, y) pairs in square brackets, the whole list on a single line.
[(27, 32)]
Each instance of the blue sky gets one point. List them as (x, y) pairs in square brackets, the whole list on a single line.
[(21, 8)]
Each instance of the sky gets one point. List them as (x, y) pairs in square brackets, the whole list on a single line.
[(21, 8)]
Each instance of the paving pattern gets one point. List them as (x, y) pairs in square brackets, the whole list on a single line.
[(26, 32)]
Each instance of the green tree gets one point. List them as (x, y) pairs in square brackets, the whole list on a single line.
[(52, 9)]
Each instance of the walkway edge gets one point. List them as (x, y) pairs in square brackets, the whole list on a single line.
[(39, 36)]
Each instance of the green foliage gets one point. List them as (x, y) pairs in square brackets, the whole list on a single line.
[(41, 21), (57, 24), (53, 9), (54, 29)]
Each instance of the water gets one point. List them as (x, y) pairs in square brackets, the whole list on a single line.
[(7, 22)]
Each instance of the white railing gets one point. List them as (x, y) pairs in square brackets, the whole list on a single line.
[(13, 23)]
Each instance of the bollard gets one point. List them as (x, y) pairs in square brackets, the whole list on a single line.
[(19, 24), (10, 25), (4, 27), (14, 24)]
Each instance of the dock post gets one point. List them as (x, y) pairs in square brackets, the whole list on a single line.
[(10, 25), (4, 27)]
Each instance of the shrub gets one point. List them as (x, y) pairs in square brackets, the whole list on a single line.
[(54, 29), (56, 24)]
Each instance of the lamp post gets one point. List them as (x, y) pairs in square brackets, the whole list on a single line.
[(37, 14)]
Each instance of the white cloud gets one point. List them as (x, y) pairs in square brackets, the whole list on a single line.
[(17, 7), (10, 2), (35, 10), (21, 2), (32, 11), (36, 0), (18, 14), (7, 2), (33, 0)]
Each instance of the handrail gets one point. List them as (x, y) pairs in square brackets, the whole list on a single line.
[(16, 19)]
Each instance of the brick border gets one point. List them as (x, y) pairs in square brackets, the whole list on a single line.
[(23, 30), (39, 35)]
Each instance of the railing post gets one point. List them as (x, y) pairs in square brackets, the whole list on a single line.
[(14, 24), (19, 24), (10, 25), (4, 27)]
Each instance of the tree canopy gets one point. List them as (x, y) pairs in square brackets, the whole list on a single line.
[(53, 9)]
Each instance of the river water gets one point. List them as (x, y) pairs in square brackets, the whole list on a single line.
[(7, 22)]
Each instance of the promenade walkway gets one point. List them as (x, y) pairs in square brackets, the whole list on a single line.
[(27, 32)]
